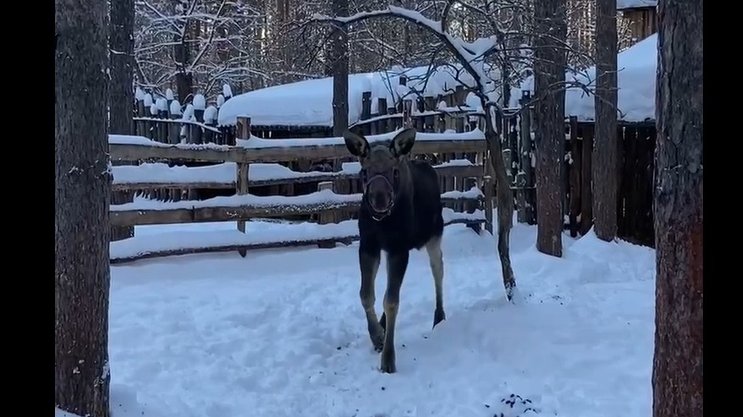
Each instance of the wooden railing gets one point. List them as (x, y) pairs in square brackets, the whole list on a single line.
[(255, 162)]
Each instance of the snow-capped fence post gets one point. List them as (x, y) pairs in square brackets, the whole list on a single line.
[(380, 125), (458, 99), (243, 132), (139, 127), (199, 106), (574, 168), (392, 121), (586, 194), (366, 112), (470, 206), (174, 130), (429, 105), (161, 129), (417, 110), (327, 216), (525, 178), (407, 109), (210, 120)]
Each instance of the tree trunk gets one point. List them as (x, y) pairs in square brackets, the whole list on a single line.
[(606, 144), (120, 94), (82, 186), (184, 85), (549, 72), (339, 63), (678, 212)]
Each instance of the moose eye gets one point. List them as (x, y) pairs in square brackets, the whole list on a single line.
[(396, 174)]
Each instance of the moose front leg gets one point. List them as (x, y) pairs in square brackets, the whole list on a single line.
[(369, 262), (397, 263)]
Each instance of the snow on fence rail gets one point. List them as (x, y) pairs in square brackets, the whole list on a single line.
[(255, 162)]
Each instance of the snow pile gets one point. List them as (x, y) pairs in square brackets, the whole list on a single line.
[(636, 81), (281, 332), (256, 142), (309, 102), (635, 4), (199, 102), (223, 173)]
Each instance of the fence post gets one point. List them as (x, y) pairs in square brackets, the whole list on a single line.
[(381, 111), (470, 206), (429, 122), (487, 189), (574, 168), (327, 216), (199, 106), (152, 124), (243, 132), (174, 129), (210, 119), (407, 108), (391, 122), (365, 112), (525, 178), (139, 128), (586, 196), (147, 112)]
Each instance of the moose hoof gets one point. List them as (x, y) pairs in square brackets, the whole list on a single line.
[(438, 317), (388, 363), (376, 334), (378, 343)]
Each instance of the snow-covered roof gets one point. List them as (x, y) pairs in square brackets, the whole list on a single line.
[(309, 102), (635, 4), (635, 80)]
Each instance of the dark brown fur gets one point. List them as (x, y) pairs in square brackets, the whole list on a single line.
[(400, 211)]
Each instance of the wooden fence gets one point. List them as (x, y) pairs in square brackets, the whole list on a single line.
[(439, 114), (255, 162)]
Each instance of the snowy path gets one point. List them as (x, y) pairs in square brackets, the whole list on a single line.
[(282, 333)]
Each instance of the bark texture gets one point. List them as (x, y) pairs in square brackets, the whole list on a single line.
[(607, 147), (121, 94), (82, 186), (678, 212), (549, 111)]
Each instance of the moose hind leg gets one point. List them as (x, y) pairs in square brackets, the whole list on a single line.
[(369, 263), (396, 265), (436, 261)]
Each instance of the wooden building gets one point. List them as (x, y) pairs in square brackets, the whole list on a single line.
[(642, 16)]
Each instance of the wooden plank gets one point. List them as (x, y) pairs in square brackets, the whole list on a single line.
[(172, 185), (344, 239), (489, 191), (134, 152), (327, 216), (574, 172), (442, 171), (228, 213), (586, 198), (241, 186)]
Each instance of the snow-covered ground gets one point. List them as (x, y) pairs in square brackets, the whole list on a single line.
[(282, 333)]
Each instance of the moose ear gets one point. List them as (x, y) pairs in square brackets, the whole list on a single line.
[(356, 144), (403, 142)]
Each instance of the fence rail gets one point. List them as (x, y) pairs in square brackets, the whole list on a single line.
[(255, 162)]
